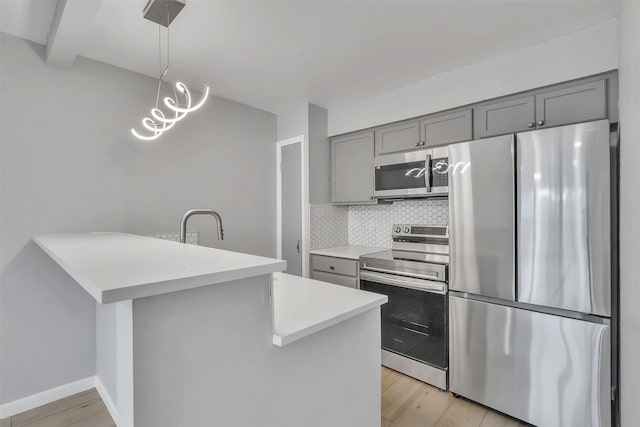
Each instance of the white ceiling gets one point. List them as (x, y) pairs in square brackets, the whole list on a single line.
[(276, 54)]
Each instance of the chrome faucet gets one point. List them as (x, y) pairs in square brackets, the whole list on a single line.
[(185, 218)]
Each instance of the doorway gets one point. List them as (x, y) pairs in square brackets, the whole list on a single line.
[(293, 205)]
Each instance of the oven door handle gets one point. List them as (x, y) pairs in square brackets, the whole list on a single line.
[(435, 276), (405, 282)]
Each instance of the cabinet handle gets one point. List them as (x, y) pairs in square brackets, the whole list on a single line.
[(332, 267), (422, 143), (530, 124), (540, 122), (370, 197), (417, 144)]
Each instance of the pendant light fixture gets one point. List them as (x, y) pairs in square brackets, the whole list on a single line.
[(173, 109)]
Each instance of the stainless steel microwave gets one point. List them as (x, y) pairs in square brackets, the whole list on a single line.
[(423, 173)]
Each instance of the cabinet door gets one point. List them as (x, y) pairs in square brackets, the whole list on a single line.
[(506, 116), (446, 128), (352, 169), (398, 137), (574, 104)]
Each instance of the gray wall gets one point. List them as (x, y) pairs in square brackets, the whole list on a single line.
[(294, 122), (629, 52), (319, 156), (69, 164), (311, 121)]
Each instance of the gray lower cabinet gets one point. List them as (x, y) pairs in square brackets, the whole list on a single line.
[(446, 128), (398, 137), (352, 169), (573, 104), (339, 271), (505, 116)]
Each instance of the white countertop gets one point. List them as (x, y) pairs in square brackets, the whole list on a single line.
[(349, 252), (304, 306), (117, 266)]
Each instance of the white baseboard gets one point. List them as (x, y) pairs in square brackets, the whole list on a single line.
[(10, 409), (106, 398)]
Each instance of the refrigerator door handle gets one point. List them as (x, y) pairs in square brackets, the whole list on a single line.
[(604, 390), (508, 333)]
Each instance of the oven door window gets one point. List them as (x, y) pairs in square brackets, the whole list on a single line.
[(401, 176), (414, 323)]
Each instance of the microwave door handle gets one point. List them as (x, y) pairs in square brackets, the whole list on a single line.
[(427, 173)]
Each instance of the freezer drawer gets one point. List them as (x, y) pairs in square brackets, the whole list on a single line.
[(547, 370)]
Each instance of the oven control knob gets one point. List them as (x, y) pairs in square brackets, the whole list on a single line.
[(398, 229), (406, 230)]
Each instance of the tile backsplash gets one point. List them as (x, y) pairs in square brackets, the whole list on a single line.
[(370, 225), (192, 237), (328, 226)]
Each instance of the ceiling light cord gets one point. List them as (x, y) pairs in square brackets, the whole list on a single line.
[(159, 65)]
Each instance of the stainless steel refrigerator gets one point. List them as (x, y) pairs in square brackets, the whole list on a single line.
[(530, 274)]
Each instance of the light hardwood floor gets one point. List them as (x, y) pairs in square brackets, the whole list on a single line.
[(406, 402), (84, 409)]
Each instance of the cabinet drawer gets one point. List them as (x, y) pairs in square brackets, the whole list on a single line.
[(397, 137), (334, 265), (336, 279), (446, 128)]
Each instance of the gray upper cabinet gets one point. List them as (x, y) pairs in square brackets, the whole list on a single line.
[(573, 104), (398, 137), (352, 169), (563, 104), (588, 99), (446, 128), (505, 116)]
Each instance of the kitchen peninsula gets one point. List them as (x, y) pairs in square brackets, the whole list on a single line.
[(188, 335)]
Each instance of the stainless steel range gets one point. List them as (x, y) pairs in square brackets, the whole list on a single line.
[(414, 276)]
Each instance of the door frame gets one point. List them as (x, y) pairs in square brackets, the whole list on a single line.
[(304, 193)]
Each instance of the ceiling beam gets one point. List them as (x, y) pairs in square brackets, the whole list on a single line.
[(71, 24)]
